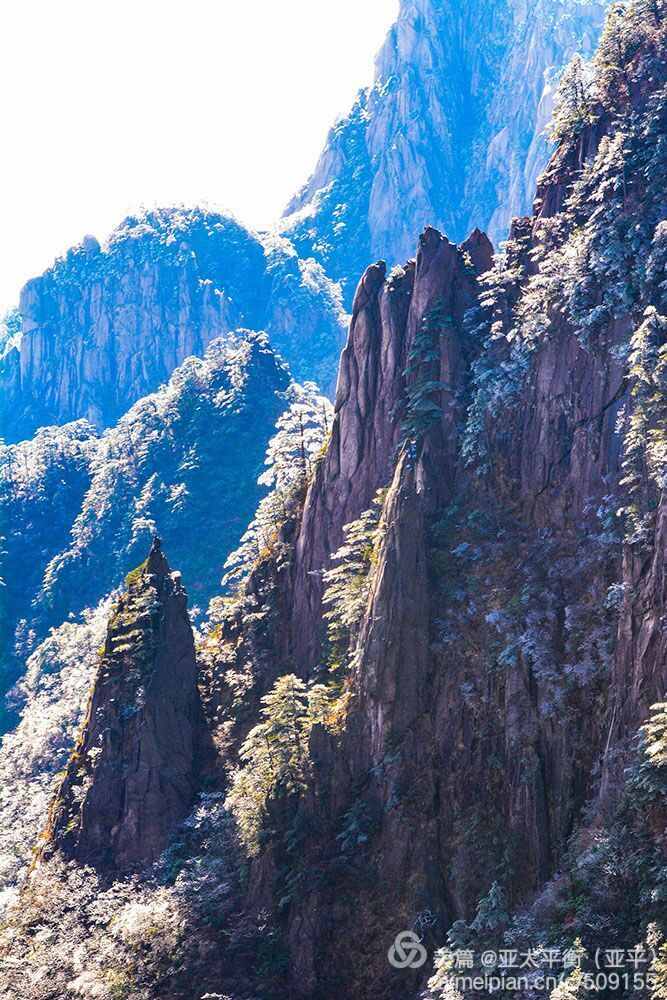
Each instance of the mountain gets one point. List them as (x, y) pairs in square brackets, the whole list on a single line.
[(450, 134), (433, 705), (107, 325), (79, 508)]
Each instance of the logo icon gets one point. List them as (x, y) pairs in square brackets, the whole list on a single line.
[(407, 951)]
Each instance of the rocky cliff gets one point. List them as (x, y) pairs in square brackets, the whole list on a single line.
[(511, 642), (429, 297), (107, 325), (451, 134)]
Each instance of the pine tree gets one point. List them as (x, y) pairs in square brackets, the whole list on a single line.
[(655, 940), (443, 983), (301, 434), (573, 987), (622, 35), (424, 388), (491, 911), (275, 754), (650, 777), (573, 107), (347, 584)]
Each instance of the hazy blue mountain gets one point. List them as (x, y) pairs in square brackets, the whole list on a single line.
[(108, 324), (450, 134)]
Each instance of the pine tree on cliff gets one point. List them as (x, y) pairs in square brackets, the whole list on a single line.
[(301, 432), (574, 101), (624, 32), (347, 584), (645, 446), (275, 754)]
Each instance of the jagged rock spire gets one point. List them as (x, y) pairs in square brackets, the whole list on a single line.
[(480, 248), (131, 777), (156, 562)]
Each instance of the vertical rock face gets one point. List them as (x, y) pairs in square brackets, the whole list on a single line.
[(370, 405), (132, 775), (641, 664), (451, 134), (107, 325), (514, 636)]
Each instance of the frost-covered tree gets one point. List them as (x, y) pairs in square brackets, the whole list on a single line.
[(645, 445), (53, 695), (573, 987), (275, 756), (624, 27), (650, 776), (573, 108), (424, 388), (491, 911), (301, 433), (442, 984), (42, 482), (655, 940), (347, 584)]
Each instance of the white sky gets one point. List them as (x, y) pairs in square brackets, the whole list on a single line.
[(108, 105)]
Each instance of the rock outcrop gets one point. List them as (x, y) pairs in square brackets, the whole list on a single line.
[(438, 287), (451, 134), (131, 777)]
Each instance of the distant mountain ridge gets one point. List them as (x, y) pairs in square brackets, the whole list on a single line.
[(108, 324), (450, 134)]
